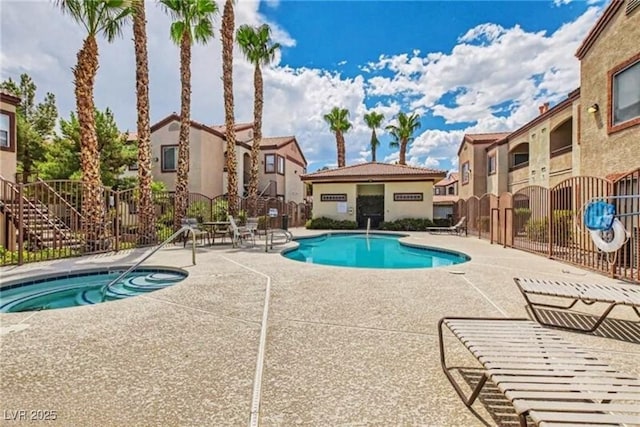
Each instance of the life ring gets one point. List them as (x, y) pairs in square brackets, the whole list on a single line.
[(618, 237)]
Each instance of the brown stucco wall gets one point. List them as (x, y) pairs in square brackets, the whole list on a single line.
[(601, 152)]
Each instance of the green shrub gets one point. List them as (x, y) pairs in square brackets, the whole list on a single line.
[(407, 224), (199, 210), (520, 218), (537, 230), (324, 223)]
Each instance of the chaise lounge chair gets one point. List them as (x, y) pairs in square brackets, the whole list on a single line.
[(458, 228), (589, 294), (553, 382)]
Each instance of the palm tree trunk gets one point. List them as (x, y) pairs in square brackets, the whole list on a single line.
[(227, 79), (403, 150), (93, 193), (182, 178), (341, 148), (374, 139), (146, 211), (257, 136)]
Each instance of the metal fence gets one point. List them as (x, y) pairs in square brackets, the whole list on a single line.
[(43, 220), (548, 221)]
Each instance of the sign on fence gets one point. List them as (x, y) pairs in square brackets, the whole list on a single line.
[(273, 212)]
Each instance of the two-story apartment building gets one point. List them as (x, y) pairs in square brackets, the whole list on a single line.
[(538, 153), (473, 164), (445, 195), (595, 131), (281, 158)]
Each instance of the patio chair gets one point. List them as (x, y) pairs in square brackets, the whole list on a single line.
[(197, 231), (458, 228), (543, 376), (241, 234), (589, 294)]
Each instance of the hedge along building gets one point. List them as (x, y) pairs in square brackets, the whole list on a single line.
[(379, 191)]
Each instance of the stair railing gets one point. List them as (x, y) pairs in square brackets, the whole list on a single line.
[(35, 208), (79, 217), (184, 228)]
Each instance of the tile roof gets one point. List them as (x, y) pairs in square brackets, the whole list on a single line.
[(238, 127), (453, 177), (445, 199), (9, 97), (371, 170), (276, 141), (482, 138)]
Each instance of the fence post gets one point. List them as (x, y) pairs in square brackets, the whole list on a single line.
[(116, 228), (20, 224), (491, 223), (550, 231)]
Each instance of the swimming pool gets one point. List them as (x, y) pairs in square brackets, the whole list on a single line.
[(370, 251), (83, 287)]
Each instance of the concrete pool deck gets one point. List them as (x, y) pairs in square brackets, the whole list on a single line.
[(342, 346)]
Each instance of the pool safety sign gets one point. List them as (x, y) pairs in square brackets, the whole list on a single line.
[(273, 212)]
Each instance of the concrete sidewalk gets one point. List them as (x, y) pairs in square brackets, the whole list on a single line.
[(343, 346)]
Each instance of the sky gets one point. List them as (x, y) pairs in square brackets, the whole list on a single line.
[(463, 66)]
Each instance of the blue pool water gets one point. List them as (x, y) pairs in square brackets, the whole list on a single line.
[(373, 251), (82, 288)]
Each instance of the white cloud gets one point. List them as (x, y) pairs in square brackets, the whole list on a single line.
[(492, 80), (561, 2)]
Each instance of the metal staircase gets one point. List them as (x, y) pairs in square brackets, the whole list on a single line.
[(42, 228)]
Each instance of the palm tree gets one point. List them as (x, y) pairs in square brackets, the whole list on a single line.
[(105, 17), (192, 22), (338, 120), (227, 32), (146, 211), (257, 47), (373, 121), (402, 133)]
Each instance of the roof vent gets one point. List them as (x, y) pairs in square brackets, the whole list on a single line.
[(631, 5)]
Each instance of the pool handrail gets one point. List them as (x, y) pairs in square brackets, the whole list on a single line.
[(186, 227)]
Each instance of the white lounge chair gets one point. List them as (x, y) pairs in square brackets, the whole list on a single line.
[(548, 379), (458, 228), (589, 294)]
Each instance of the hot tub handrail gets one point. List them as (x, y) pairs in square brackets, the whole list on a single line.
[(182, 229)]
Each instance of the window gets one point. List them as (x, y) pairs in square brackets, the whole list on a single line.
[(269, 163), (7, 136), (437, 191), (408, 197), (520, 159), (281, 165), (329, 197), (465, 173), (169, 158), (452, 190), (626, 94), (491, 165)]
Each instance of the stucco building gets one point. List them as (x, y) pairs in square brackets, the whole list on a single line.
[(380, 191), (281, 160), (8, 135), (609, 119)]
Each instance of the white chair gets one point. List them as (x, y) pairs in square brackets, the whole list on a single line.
[(241, 234)]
